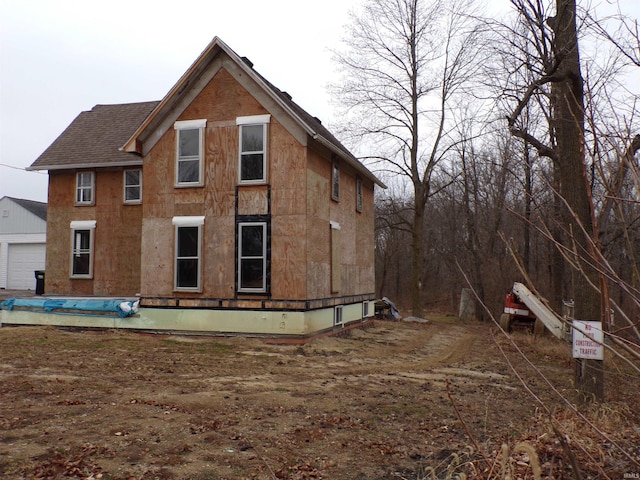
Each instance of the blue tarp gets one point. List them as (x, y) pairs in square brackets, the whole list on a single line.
[(122, 308)]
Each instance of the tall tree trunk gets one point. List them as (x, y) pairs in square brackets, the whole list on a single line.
[(528, 199), (417, 263), (568, 124)]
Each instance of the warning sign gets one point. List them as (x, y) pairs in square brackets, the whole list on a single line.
[(587, 340)]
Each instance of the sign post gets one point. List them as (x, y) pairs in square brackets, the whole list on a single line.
[(588, 350), (588, 340)]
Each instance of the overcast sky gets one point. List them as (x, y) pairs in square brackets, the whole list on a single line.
[(61, 57)]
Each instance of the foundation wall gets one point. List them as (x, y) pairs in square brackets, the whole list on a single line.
[(204, 321)]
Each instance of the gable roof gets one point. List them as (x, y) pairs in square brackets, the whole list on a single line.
[(192, 82), (114, 135), (39, 209), (94, 138)]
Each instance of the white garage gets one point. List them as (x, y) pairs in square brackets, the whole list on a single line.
[(23, 227), (24, 260)]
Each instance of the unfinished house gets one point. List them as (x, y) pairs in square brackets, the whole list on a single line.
[(223, 208)]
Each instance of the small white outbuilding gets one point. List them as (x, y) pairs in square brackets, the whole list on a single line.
[(23, 236)]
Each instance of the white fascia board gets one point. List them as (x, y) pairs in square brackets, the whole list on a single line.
[(188, 221), (83, 224)]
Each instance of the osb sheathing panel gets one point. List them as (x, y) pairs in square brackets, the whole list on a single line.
[(365, 240), (287, 173), (157, 257), (221, 169), (356, 231), (319, 215), (253, 200), (116, 267), (288, 257), (220, 102), (223, 99), (219, 257)]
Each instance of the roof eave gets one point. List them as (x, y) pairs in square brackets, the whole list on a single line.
[(350, 159), (74, 166)]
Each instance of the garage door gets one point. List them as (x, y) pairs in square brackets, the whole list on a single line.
[(24, 259)]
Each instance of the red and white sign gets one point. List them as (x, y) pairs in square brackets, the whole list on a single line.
[(588, 340)]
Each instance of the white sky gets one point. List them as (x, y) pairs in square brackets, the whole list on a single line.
[(61, 57)]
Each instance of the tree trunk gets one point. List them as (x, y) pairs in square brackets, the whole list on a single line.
[(528, 199), (417, 263), (568, 125)]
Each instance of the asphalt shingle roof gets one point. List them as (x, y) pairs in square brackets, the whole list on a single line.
[(94, 138), (39, 209)]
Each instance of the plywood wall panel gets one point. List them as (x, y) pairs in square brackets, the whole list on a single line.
[(222, 99), (116, 261), (157, 257), (287, 173), (219, 257), (318, 280), (221, 157), (288, 257), (253, 200)]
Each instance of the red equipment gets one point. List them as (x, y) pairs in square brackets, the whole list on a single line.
[(517, 314)]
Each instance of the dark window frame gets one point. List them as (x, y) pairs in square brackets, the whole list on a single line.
[(242, 259)]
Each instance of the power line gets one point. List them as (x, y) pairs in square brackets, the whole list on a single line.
[(21, 168)]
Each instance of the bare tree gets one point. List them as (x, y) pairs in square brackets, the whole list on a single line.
[(404, 64), (546, 47)]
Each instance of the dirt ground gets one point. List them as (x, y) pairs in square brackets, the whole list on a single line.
[(395, 400)]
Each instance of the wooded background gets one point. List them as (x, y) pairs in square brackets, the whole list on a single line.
[(509, 148)]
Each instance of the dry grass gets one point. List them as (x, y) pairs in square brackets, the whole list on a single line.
[(543, 455)]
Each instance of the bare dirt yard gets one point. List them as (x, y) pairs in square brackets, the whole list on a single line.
[(397, 400)]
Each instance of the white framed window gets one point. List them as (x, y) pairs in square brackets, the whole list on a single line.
[(358, 194), (337, 315), (189, 152), (133, 186), (252, 164), (252, 257), (188, 252), (85, 183), (335, 182), (82, 249)]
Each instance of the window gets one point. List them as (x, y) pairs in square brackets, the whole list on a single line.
[(132, 186), (188, 251), (84, 188), (253, 148), (82, 248), (337, 315), (365, 309), (252, 257), (335, 182), (358, 194), (189, 148)]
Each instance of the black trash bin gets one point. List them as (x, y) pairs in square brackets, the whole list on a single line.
[(39, 282)]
